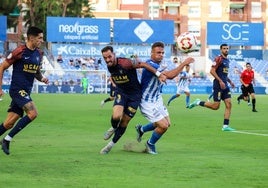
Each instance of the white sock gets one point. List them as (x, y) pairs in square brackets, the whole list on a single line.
[(111, 143), (225, 126), (8, 138)]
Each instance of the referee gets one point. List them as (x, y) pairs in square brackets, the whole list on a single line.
[(247, 80)]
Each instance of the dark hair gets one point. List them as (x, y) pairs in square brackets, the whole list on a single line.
[(158, 44), (222, 45), (248, 64), (107, 48), (34, 31)]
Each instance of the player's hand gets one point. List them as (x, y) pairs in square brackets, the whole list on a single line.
[(189, 60), (162, 78), (45, 80), (222, 85)]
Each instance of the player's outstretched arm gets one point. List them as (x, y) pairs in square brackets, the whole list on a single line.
[(174, 72), (138, 64)]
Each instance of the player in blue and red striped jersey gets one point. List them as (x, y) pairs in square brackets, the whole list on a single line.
[(221, 90), (26, 61), (127, 94)]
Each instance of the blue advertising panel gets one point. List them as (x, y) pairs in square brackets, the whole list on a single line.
[(94, 50), (235, 34), (143, 31), (61, 29), (3, 28), (1, 48), (239, 55)]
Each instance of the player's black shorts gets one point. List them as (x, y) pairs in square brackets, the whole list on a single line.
[(130, 103), (19, 99), (112, 90), (247, 90)]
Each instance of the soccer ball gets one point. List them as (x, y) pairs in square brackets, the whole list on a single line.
[(186, 42)]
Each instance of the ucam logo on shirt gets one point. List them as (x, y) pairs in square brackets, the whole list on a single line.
[(235, 34), (68, 29)]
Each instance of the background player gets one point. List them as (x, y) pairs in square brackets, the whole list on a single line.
[(26, 61), (221, 90), (183, 82)]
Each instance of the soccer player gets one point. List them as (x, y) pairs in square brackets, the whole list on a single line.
[(112, 92), (247, 80), (127, 93), (221, 90), (152, 106), (84, 84), (26, 61), (183, 83)]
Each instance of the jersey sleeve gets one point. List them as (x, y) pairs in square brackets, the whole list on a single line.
[(14, 55), (125, 63), (217, 61)]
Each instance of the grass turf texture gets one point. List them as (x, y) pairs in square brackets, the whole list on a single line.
[(61, 147)]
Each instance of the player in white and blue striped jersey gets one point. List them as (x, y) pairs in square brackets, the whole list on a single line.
[(152, 106), (183, 83)]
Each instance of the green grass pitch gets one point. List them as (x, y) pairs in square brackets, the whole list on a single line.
[(61, 147)]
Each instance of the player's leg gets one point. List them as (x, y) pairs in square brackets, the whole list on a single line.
[(253, 98), (19, 104), (226, 97), (187, 99), (118, 110), (128, 113), (172, 98), (159, 115)]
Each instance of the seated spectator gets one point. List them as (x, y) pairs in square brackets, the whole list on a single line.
[(59, 59)]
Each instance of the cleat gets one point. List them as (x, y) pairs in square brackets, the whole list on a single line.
[(193, 104), (139, 133), (249, 104), (108, 133), (150, 148), (106, 149), (238, 101), (5, 146), (254, 110), (228, 129), (102, 103)]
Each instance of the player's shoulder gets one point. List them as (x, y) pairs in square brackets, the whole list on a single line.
[(124, 62)]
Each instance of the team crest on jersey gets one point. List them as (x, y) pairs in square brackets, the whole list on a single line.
[(9, 56)]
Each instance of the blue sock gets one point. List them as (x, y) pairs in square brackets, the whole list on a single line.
[(148, 127), (187, 100), (154, 138), (22, 123), (172, 98)]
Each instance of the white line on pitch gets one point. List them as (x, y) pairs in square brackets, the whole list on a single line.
[(243, 132)]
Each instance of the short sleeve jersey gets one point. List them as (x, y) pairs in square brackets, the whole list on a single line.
[(25, 63), (125, 77), (151, 86), (221, 65), (247, 76), (184, 79)]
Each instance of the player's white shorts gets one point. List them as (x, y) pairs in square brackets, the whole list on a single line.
[(181, 90), (154, 111)]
